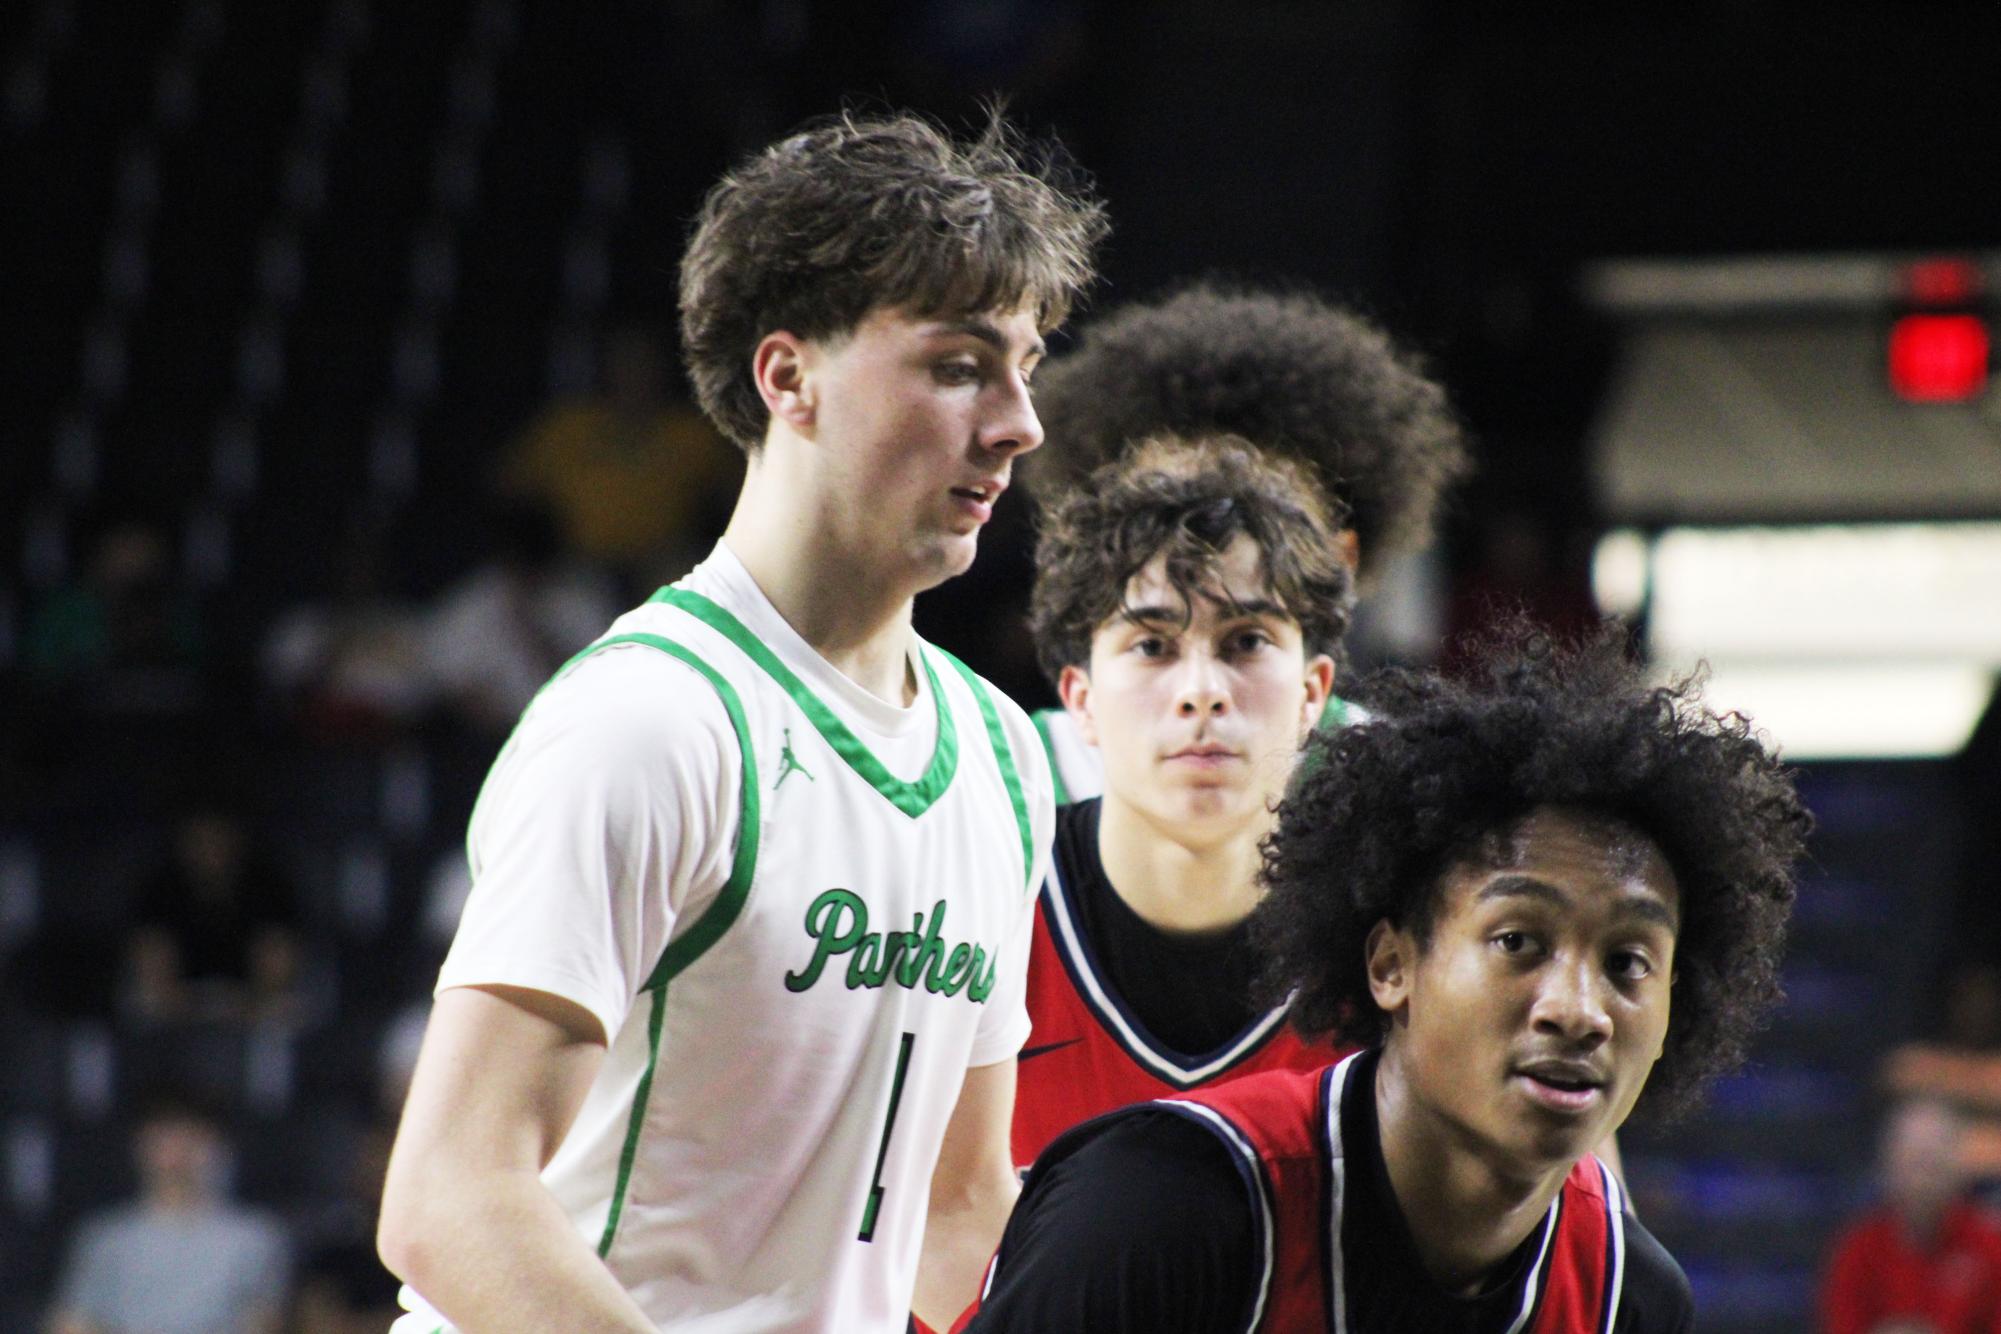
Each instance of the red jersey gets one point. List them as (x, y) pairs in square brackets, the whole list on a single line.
[(1087, 1053), (1879, 1275), (1285, 1130)]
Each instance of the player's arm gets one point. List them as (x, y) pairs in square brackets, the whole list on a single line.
[(466, 1220), (972, 1189)]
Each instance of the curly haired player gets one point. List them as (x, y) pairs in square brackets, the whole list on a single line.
[(1191, 594), (726, 1037), (1543, 897), (1289, 371), (1189, 599)]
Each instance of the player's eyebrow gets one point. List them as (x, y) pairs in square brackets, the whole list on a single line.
[(1255, 607), (1177, 616), (1646, 906), (984, 329)]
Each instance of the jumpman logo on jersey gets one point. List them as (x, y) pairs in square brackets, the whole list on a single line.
[(788, 763)]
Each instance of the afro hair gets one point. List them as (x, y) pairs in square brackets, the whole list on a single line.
[(1289, 372), (1378, 813)]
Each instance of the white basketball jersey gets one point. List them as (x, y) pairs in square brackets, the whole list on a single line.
[(756, 1153)]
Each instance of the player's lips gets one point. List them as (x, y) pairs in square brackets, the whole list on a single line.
[(1562, 1086), (978, 498), (1204, 753)]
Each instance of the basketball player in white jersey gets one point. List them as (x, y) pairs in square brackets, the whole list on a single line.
[(737, 994)]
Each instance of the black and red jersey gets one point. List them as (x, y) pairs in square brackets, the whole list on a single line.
[(1262, 1205), (1089, 1050), (1286, 1131)]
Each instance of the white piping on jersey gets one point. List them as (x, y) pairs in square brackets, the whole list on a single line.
[(1532, 1288), (1254, 1165), (1337, 1186), (1615, 1223), (1112, 1015)]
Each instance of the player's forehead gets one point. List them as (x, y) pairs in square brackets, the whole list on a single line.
[(1009, 331), (1567, 862), (1231, 583)]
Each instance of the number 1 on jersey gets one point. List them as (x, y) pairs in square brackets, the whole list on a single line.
[(888, 1126)]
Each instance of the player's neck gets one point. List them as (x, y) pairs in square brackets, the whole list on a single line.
[(1465, 1214), (1174, 882), (854, 615)]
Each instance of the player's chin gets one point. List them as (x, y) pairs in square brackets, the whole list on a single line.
[(947, 555)]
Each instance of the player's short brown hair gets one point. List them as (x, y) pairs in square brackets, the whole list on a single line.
[(1290, 372), (1189, 499), (855, 213)]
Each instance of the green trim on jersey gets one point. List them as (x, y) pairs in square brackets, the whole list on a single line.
[(1336, 712), (913, 799), (708, 928), (1004, 756), (1041, 720), (656, 1021)]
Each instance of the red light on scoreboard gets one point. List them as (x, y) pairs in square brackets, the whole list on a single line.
[(1939, 358)]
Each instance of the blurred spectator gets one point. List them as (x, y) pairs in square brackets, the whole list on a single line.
[(1962, 1066), (500, 633), (180, 1259), (352, 666), (1927, 1260), (342, 1287), (637, 478), (122, 638), (216, 933)]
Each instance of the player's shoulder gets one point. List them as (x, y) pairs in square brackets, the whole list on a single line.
[(1656, 1297), (1077, 768), (1024, 746), (1158, 1141), (1338, 712), (628, 697)]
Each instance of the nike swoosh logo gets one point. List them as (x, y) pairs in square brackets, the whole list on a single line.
[(1030, 1053)]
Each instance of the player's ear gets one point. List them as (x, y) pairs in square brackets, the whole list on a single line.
[(1319, 684), (1073, 687), (1389, 955), (779, 366)]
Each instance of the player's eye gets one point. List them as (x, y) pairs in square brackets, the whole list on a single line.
[(957, 372), (1629, 965), (1249, 641), (1515, 943), (1150, 646)]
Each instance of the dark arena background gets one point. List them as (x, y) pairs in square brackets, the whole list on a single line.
[(312, 308)]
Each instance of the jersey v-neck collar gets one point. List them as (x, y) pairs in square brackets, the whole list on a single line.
[(912, 797), (1093, 985)]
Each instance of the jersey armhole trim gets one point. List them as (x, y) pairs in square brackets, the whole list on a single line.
[(912, 798), (1041, 720), (1251, 1169), (1615, 1243), (1004, 757), (708, 928)]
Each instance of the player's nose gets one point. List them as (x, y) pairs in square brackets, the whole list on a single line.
[(1201, 686), (1570, 1002), (1012, 426)]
